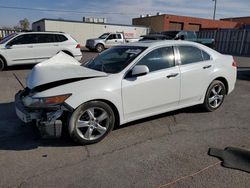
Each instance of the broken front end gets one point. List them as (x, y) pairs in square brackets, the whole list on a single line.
[(48, 113)]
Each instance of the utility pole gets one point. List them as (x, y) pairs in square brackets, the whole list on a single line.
[(215, 4)]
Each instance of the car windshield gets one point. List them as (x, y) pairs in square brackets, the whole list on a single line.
[(115, 59), (104, 36), (7, 38)]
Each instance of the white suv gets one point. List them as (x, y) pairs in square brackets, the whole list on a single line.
[(34, 47)]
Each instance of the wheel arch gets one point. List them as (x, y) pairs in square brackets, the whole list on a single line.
[(100, 43), (114, 108), (3, 58), (67, 52), (224, 81)]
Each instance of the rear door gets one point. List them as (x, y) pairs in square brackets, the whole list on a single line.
[(196, 68), (47, 46)]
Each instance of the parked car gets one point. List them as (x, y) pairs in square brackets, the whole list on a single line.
[(154, 37), (34, 47), (189, 36), (123, 84), (108, 40)]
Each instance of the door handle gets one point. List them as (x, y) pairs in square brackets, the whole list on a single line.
[(56, 44), (172, 75), (30, 46), (207, 67)]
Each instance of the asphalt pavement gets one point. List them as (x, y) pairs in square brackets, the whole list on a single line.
[(168, 150)]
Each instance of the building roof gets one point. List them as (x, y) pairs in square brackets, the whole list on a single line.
[(75, 21), (243, 17)]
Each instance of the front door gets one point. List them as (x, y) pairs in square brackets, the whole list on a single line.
[(156, 92), (20, 50)]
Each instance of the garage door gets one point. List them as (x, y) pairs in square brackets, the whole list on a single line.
[(194, 27), (175, 26)]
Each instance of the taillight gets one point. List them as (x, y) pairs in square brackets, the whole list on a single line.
[(234, 64), (78, 46)]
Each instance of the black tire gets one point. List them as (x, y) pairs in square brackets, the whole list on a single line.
[(99, 48), (215, 96), (2, 64), (81, 123)]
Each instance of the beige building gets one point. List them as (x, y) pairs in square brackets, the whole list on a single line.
[(82, 31)]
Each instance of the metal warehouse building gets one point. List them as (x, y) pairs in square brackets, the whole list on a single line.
[(82, 31)]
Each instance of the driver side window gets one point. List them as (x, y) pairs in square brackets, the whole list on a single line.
[(112, 36), (23, 39), (158, 59)]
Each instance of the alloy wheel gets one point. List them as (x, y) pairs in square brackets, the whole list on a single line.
[(92, 123), (216, 96)]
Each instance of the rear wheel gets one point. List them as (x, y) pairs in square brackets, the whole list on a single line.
[(215, 96), (2, 64), (99, 48), (91, 122)]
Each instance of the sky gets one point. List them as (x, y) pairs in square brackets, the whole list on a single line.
[(119, 11)]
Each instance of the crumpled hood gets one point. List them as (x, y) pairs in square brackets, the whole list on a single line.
[(59, 69)]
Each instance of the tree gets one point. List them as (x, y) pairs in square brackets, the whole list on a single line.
[(24, 24)]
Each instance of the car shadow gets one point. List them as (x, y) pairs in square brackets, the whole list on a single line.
[(14, 135), (192, 110), (17, 136), (20, 67), (243, 73)]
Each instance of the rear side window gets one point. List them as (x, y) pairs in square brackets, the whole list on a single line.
[(61, 38), (45, 38), (118, 36), (190, 54), (158, 59), (205, 55)]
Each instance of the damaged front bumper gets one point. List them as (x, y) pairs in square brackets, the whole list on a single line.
[(48, 120)]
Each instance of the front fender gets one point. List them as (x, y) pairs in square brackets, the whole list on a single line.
[(104, 88)]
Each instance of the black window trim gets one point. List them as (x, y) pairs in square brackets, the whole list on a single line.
[(176, 63), (179, 56), (56, 38), (22, 34)]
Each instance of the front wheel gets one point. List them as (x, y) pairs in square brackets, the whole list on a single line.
[(99, 48), (91, 122), (2, 64), (215, 96)]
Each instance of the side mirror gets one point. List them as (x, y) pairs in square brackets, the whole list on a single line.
[(140, 70), (8, 46)]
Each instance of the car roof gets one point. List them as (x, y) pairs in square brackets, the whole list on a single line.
[(41, 32), (155, 43)]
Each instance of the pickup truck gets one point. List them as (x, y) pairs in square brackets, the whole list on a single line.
[(189, 36), (107, 40)]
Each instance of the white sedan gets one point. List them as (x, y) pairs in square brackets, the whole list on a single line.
[(123, 84)]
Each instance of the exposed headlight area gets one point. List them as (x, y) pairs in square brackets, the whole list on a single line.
[(44, 102)]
